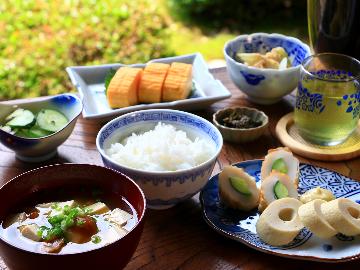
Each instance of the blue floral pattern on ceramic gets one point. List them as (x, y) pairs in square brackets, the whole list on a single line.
[(252, 78), (263, 43), (240, 226)]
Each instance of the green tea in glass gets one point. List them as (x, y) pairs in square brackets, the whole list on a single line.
[(328, 98)]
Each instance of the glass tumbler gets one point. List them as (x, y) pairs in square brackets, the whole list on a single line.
[(328, 98)]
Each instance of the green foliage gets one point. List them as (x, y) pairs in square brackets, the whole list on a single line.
[(40, 38), (238, 15)]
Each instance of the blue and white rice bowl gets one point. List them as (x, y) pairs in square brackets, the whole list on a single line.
[(265, 86), (162, 189)]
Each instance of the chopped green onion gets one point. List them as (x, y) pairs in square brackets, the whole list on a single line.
[(95, 239)]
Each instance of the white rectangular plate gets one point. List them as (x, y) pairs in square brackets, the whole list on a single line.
[(89, 81)]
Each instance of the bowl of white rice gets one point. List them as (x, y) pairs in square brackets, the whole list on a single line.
[(169, 153)]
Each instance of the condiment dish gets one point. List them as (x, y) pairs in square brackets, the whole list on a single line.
[(241, 135)]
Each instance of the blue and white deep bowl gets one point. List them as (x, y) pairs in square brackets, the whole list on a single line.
[(40, 149), (162, 189), (265, 86)]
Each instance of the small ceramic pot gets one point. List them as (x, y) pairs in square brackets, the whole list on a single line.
[(241, 135)]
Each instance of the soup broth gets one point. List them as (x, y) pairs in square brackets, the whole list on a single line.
[(78, 222)]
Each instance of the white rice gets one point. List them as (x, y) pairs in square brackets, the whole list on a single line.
[(162, 149)]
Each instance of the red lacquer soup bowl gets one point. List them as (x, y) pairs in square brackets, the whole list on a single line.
[(32, 186)]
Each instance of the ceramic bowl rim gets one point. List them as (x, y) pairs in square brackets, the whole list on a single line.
[(160, 173), (140, 219), (267, 70), (74, 118), (263, 125)]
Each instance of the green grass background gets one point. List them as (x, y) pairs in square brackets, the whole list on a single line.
[(40, 38)]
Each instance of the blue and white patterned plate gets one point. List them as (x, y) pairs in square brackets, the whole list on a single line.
[(240, 226)]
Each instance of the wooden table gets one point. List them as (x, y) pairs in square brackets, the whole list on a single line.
[(179, 238)]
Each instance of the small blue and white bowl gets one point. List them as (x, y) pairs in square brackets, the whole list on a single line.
[(44, 148), (162, 189), (265, 86)]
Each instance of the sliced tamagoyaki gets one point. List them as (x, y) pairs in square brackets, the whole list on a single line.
[(152, 82), (123, 87), (178, 82), (281, 160), (237, 189)]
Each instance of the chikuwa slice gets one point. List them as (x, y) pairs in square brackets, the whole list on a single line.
[(279, 224), (281, 160), (237, 189), (344, 215), (276, 186), (311, 216)]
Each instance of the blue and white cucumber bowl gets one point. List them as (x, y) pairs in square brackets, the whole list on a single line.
[(44, 148), (162, 189), (265, 86)]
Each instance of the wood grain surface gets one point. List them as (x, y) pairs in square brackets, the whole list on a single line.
[(179, 238)]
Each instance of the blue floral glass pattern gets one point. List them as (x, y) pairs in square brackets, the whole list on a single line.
[(309, 102)]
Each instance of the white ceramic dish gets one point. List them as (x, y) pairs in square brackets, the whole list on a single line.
[(89, 81), (240, 226)]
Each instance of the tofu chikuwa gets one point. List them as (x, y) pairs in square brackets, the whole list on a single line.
[(158, 82), (75, 225)]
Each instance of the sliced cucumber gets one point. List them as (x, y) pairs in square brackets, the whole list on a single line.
[(240, 185), (280, 190), (280, 166), (14, 114), (36, 132), (23, 133), (21, 118), (51, 120)]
